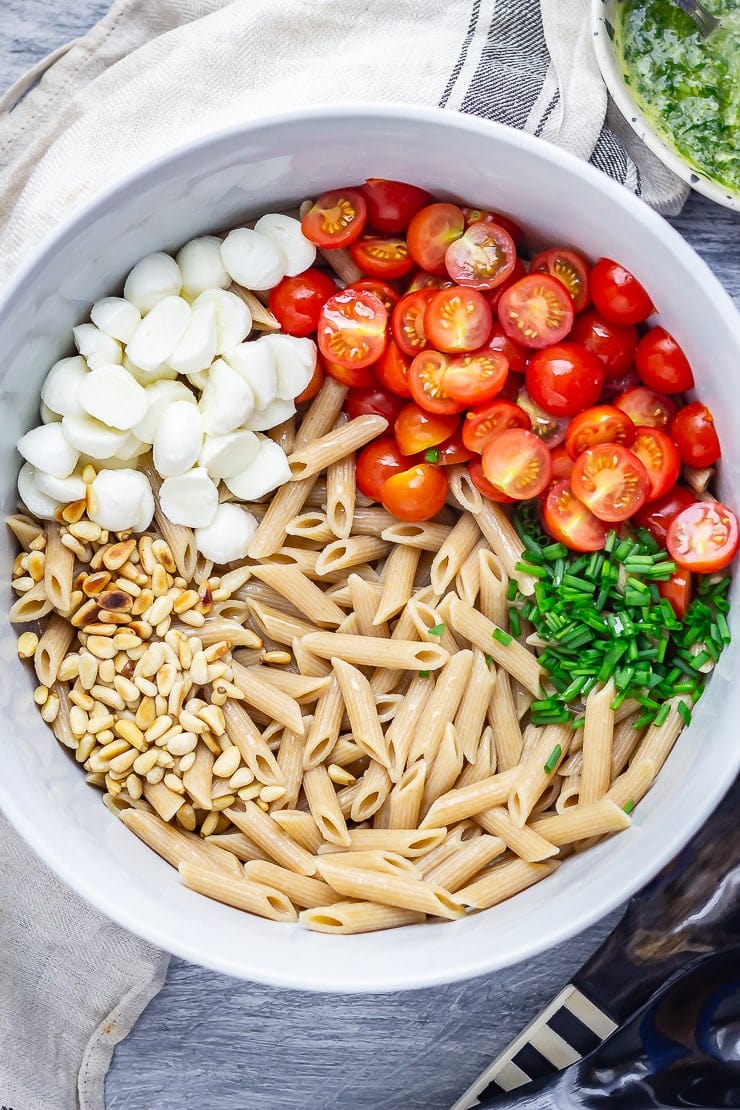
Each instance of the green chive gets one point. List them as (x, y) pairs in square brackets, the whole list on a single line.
[(502, 637), (684, 712), (431, 455), (515, 622), (436, 630), (488, 659), (552, 762), (630, 806), (423, 674)]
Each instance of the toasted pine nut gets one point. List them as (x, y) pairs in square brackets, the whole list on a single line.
[(209, 825), (117, 555), (101, 647), (193, 618), (99, 722), (83, 700), (272, 793), (134, 787), (128, 691), (50, 709), (131, 733), (27, 644), (227, 763), (144, 763), (40, 695)]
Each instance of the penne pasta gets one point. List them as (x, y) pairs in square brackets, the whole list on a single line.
[(507, 652), (357, 917), (300, 827), (445, 767), (30, 606), (300, 889), (501, 535), (324, 807), (453, 551), (368, 651), (401, 891), (279, 626), (474, 705), (467, 580), (632, 785), (441, 707), (310, 458), (312, 525), (240, 893), (352, 552), (407, 842), (501, 882), (363, 716), (180, 540), (524, 841), (324, 729), (582, 822), (364, 597), (462, 490), (284, 506), (467, 801), (269, 836), (58, 570), (301, 592), (504, 721), (375, 786), (340, 496), (245, 736), (406, 797), (176, 846), (322, 413), (290, 761), (398, 582), (53, 645), (385, 863), (268, 698), (536, 771), (460, 866), (239, 845), (493, 586), (598, 734), (198, 779), (425, 535), (400, 732), (305, 689), (484, 765)]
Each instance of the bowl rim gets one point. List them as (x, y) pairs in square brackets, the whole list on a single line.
[(565, 924), (639, 121)]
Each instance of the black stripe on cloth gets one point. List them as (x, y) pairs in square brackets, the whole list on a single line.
[(610, 157), (463, 53), (533, 1063), (547, 113), (574, 1031)]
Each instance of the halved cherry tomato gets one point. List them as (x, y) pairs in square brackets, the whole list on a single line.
[(569, 521), (475, 379), (482, 425), (599, 424), (493, 296), (483, 257), (352, 328), (550, 429), (512, 387), (564, 378), (430, 233), (536, 311), (677, 590), (336, 218), (474, 215), (373, 401), (426, 382), (416, 430), (453, 450), (518, 463), (516, 355), (296, 301), (481, 483), (661, 363), (417, 493), (613, 387), (645, 407), (659, 455), (356, 377), (568, 267), (382, 290), (382, 258), (613, 344), (696, 436), (562, 463), (391, 204), (610, 481), (420, 279), (407, 321), (618, 295), (376, 462), (703, 537), (457, 319), (657, 515), (392, 369), (313, 387)]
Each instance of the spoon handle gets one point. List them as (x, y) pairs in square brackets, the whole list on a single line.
[(704, 20)]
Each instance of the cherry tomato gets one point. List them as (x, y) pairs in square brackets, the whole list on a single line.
[(457, 319), (646, 408), (536, 311), (373, 401), (659, 455), (703, 537), (407, 321), (483, 257), (482, 425), (568, 267), (416, 430), (430, 233), (313, 387), (417, 493), (336, 218), (696, 436), (518, 463), (381, 258), (618, 295), (391, 204), (613, 387), (512, 387), (392, 369), (422, 280), (564, 379), (352, 328), (475, 379), (610, 481), (493, 296), (613, 344), (677, 590), (453, 450), (516, 355), (481, 483), (382, 290), (473, 215), (569, 521), (661, 363), (426, 382), (356, 377), (657, 515), (600, 424), (550, 429), (296, 301), (562, 463), (376, 462)]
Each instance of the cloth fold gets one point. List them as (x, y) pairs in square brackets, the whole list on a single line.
[(146, 79)]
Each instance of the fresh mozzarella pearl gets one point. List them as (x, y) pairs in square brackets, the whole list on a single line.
[(227, 400), (295, 360), (270, 416), (62, 490), (37, 503), (152, 279), (285, 231), (48, 449), (268, 470), (163, 372), (121, 500), (256, 363), (47, 415), (97, 348), (190, 499), (131, 448), (197, 348), (91, 437), (116, 317), (62, 385), (199, 380), (227, 536), (159, 395), (233, 318), (201, 266), (159, 333), (227, 454), (178, 439), (111, 395), (252, 260)]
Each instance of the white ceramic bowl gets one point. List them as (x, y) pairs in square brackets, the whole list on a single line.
[(218, 181), (605, 24)]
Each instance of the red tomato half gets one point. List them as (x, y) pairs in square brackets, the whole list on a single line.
[(562, 463), (661, 363), (392, 369), (493, 296), (416, 430), (475, 379), (610, 481), (373, 401), (600, 424), (381, 258), (382, 290), (569, 268), (483, 257), (564, 379), (430, 233), (677, 590), (613, 344), (417, 493), (550, 429), (474, 215), (427, 383), (516, 355), (375, 463), (645, 407), (335, 219), (618, 295), (569, 521), (296, 301), (481, 425), (420, 279), (352, 328), (407, 321), (453, 450), (355, 377), (481, 483), (517, 462), (659, 455), (392, 204), (657, 515), (536, 311), (704, 537), (695, 435), (457, 319)]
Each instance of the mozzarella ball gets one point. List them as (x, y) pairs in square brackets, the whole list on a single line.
[(233, 318), (228, 535), (152, 279), (223, 455), (190, 499), (121, 500), (256, 363), (112, 396), (62, 490), (178, 439), (227, 400), (159, 396), (116, 317), (97, 348), (201, 266), (269, 417), (295, 360), (268, 470), (37, 502), (48, 449), (60, 391), (159, 333), (252, 260), (298, 252), (91, 437), (197, 348)]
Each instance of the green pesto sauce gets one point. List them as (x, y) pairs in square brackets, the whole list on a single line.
[(689, 87)]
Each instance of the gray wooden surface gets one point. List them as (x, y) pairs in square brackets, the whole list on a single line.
[(214, 1043)]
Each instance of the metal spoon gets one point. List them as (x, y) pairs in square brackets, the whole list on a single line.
[(704, 20)]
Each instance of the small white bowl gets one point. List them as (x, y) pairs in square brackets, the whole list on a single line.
[(604, 21)]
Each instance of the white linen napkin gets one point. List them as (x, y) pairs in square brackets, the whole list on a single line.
[(146, 79)]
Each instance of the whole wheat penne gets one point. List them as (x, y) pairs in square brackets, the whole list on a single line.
[(402, 729), (288, 556), (239, 845), (501, 535), (426, 617), (24, 528), (324, 729), (467, 801), (284, 506), (278, 626), (301, 890), (370, 520), (407, 842), (245, 736), (340, 496), (494, 583), (51, 649), (569, 793), (368, 651), (453, 552), (198, 779), (361, 710), (305, 689), (659, 739), (346, 752), (240, 892), (509, 654), (375, 786), (308, 459), (633, 784), (217, 629), (352, 552), (462, 865), (581, 822), (346, 797), (322, 413), (393, 890), (180, 540), (30, 606), (441, 707), (474, 705), (445, 768), (357, 917), (325, 809), (174, 845), (398, 582), (290, 761), (502, 881), (461, 834), (387, 863), (425, 535), (462, 489), (268, 698), (262, 318), (309, 664), (300, 827), (61, 726), (467, 579), (282, 434), (311, 525), (406, 797), (301, 592), (163, 801), (485, 762), (269, 835), (59, 565), (524, 841), (364, 597), (536, 772), (598, 734)]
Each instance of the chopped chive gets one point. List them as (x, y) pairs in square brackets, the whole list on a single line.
[(530, 568), (502, 637), (630, 806), (662, 714), (437, 630), (488, 659), (515, 622), (552, 761), (511, 590), (423, 674), (684, 712), (431, 455)]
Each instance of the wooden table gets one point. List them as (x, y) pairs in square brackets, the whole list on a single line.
[(208, 1042)]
